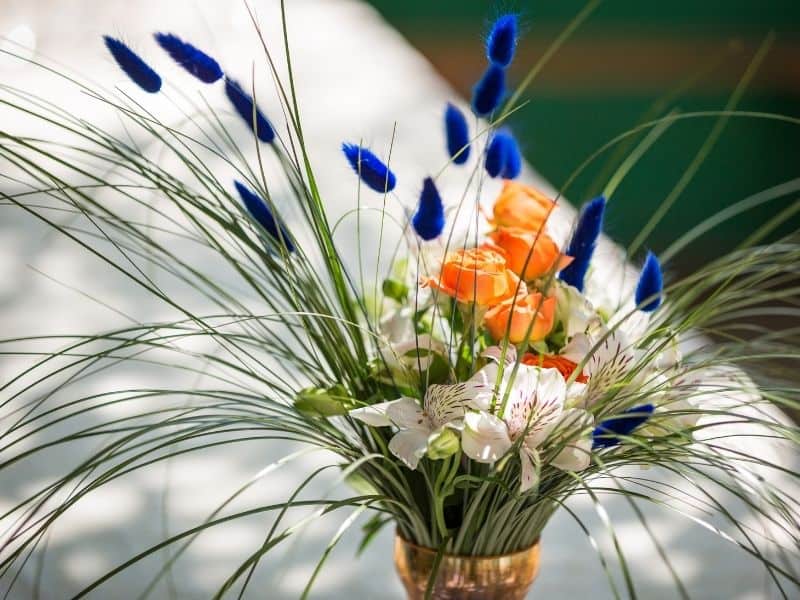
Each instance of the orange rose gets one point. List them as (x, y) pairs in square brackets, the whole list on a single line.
[(564, 365), (533, 311), (476, 275), (516, 244), (521, 206)]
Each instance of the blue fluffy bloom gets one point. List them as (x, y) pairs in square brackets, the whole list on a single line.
[(261, 213), (496, 154), (244, 105), (428, 221), (135, 68), (581, 246), (605, 434), (372, 171), (513, 163), (502, 41), (197, 62), (650, 285), (457, 130), (503, 158), (489, 91)]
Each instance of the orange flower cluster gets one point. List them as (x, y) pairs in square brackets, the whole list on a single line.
[(520, 214), (493, 276)]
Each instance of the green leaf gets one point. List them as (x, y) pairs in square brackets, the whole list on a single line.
[(395, 290), (371, 529)]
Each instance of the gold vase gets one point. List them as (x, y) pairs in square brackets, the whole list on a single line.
[(505, 577)]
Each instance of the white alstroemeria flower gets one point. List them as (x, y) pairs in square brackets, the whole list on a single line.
[(534, 411), (630, 322), (577, 454), (606, 365), (397, 324), (444, 406), (611, 280), (670, 356), (485, 380), (574, 310), (415, 354), (485, 437)]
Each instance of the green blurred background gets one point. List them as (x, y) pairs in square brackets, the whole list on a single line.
[(630, 58)]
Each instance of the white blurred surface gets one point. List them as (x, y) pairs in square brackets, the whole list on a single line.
[(356, 79)]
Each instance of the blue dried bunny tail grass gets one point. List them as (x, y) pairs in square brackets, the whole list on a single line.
[(503, 158), (429, 220), (489, 91), (262, 215), (132, 64), (244, 105), (502, 40), (606, 434), (496, 154), (197, 62), (371, 169), (513, 166), (581, 246), (457, 131), (650, 286)]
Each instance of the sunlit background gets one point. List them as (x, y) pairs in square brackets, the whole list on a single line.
[(632, 61)]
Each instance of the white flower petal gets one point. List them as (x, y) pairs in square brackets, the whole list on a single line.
[(632, 323), (409, 446), (406, 413), (495, 353), (574, 457), (485, 437), (607, 365), (482, 385), (531, 465), (576, 392), (416, 353), (574, 311), (611, 281), (397, 324), (578, 348), (539, 432), (535, 403), (374, 415)]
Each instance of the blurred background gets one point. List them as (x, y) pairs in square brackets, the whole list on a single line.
[(630, 62)]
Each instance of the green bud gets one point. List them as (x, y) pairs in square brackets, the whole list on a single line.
[(395, 290), (443, 444), (319, 402)]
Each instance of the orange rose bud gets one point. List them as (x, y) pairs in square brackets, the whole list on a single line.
[(548, 361), (476, 275), (516, 244), (521, 206), (534, 312)]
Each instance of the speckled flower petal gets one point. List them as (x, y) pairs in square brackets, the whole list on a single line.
[(531, 466), (374, 415), (406, 413)]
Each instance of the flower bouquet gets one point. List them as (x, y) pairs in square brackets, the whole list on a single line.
[(507, 358)]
